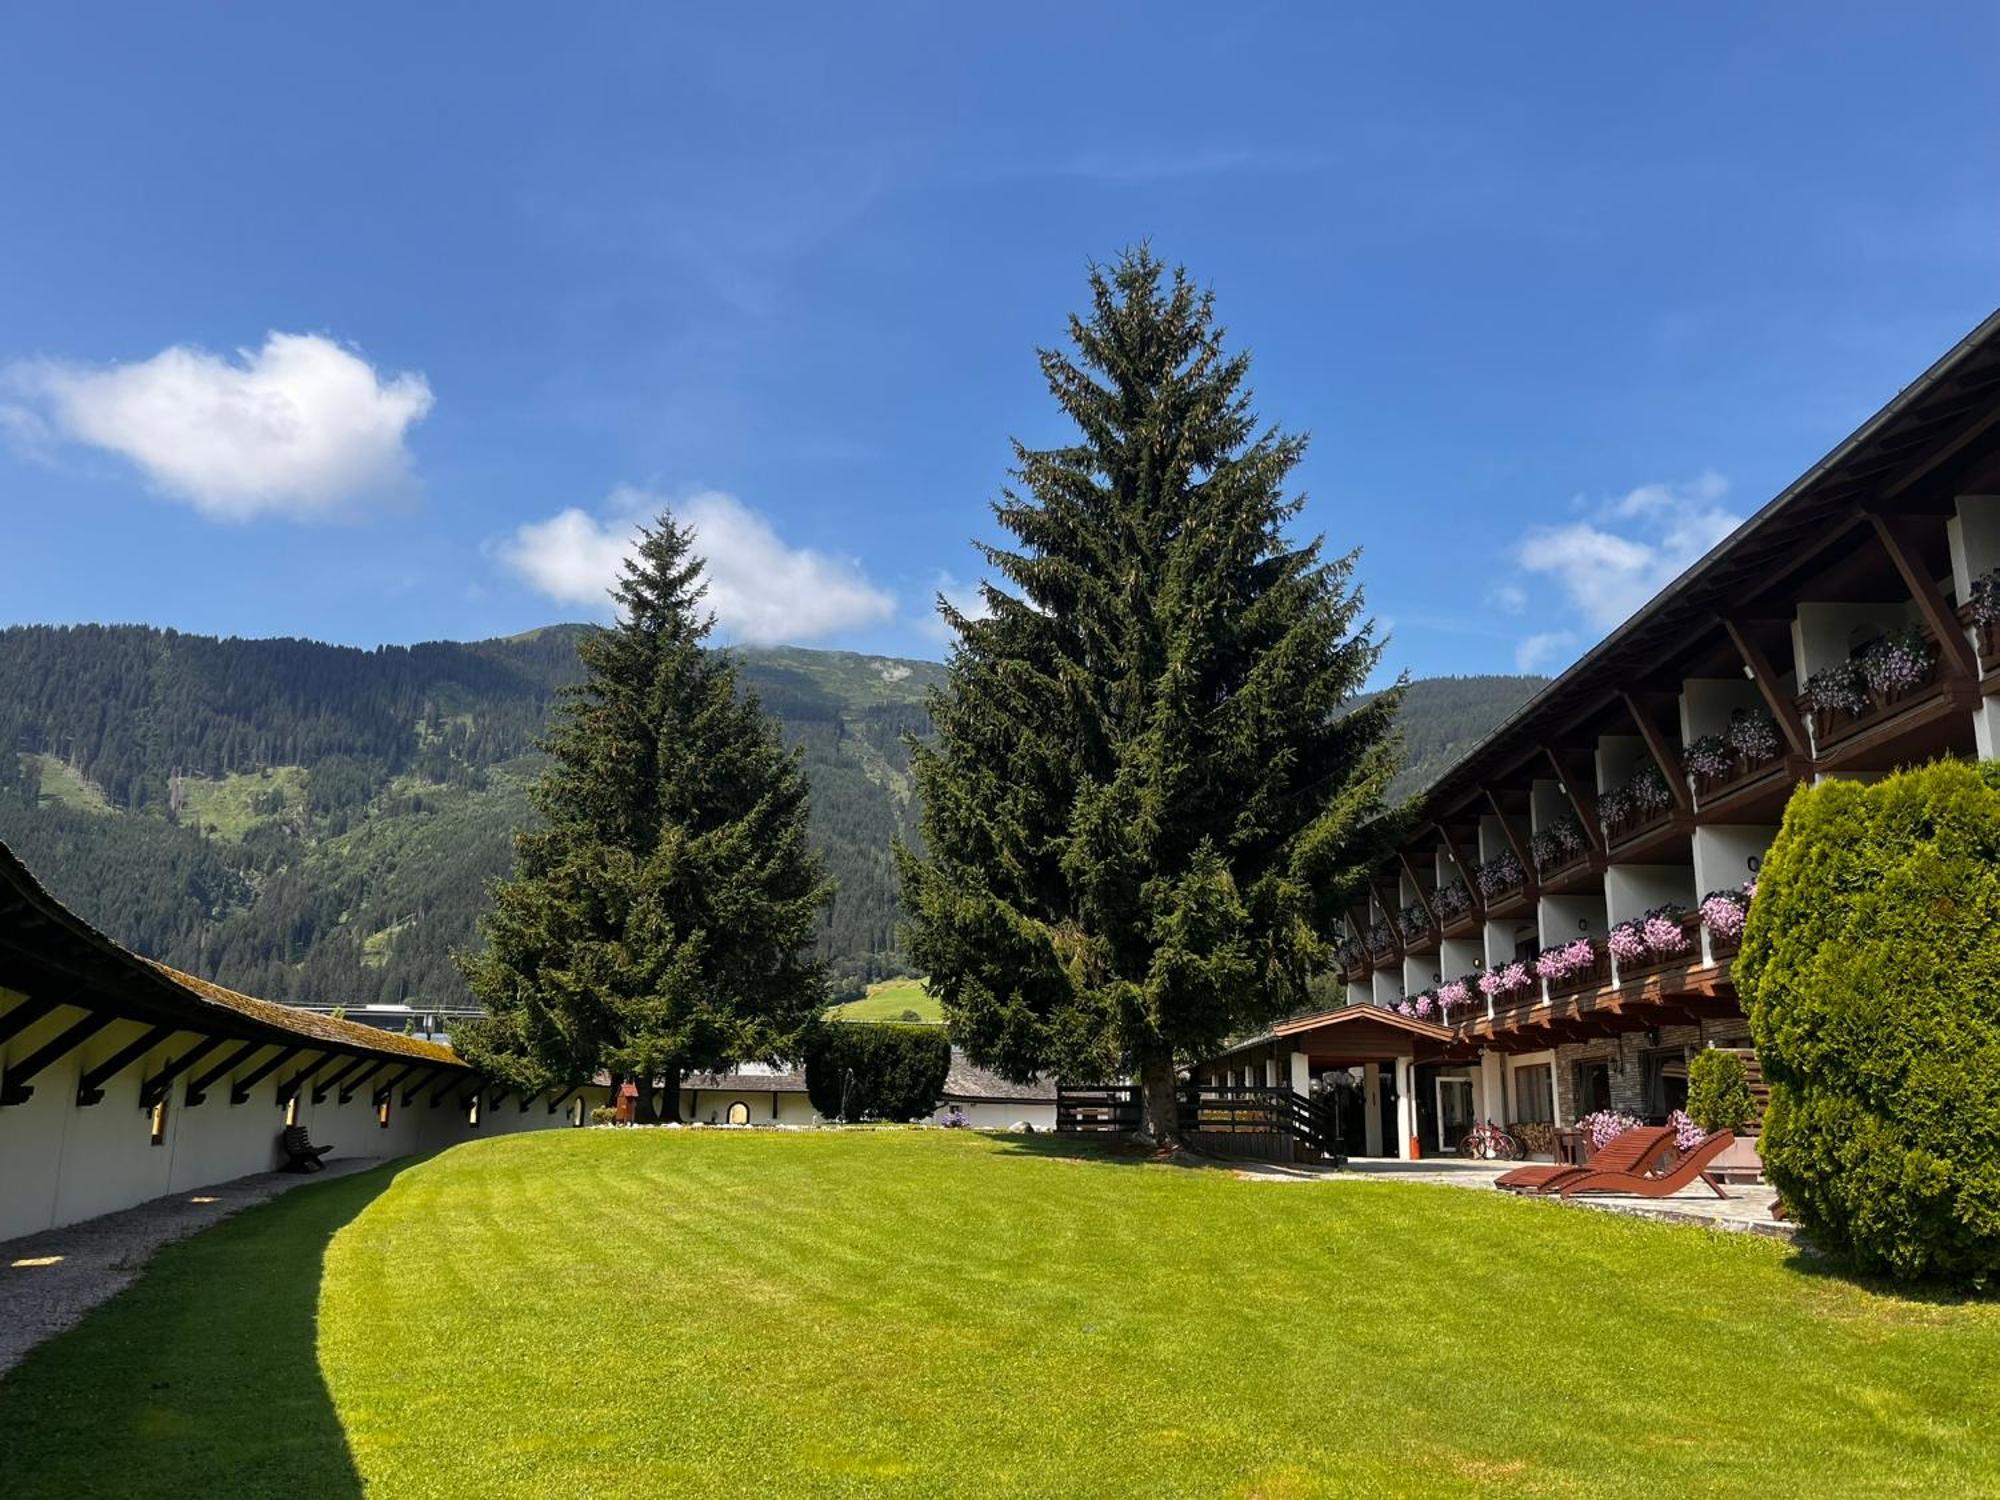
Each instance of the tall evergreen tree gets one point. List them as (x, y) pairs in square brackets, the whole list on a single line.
[(1144, 804), (662, 915)]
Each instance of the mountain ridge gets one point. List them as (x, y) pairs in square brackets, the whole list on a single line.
[(319, 823)]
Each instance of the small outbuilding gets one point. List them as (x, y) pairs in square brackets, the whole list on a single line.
[(981, 1098)]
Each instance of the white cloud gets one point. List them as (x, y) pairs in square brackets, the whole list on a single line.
[(1535, 652), (761, 589), (303, 427), (963, 596), (1632, 547), (1509, 598)]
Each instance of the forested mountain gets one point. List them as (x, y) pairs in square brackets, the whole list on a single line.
[(317, 823), (1443, 717)]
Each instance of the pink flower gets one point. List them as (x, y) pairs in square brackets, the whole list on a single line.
[(1454, 993), (1627, 943), (1687, 1134), (1664, 935)]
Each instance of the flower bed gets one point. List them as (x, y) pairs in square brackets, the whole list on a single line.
[(1576, 964), (1507, 982), (1451, 902), (1651, 941), (1415, 922), (1561, 843), (1500, 875), (1643, 800), (1873, 680), (1723, 913)]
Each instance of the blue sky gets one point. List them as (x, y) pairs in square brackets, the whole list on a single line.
[(374, 323)]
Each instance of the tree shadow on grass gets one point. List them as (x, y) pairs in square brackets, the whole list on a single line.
[(1113, 1150), (203, 1376)]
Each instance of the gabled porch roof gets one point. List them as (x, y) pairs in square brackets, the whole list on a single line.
[(1356, 1034)]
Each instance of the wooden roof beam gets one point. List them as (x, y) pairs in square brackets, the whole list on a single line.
[(154, 1089), (353, 1085), (1507, 828), (1582, 799), (90, 1087), (323, 1086), (197, 1089), (17, 1082), (1662, 752), (239, 1092), (24, 1015), (1894, 534), (1776, 699), (289, 1089)]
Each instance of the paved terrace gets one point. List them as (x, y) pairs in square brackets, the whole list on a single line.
[(1745, 1209)]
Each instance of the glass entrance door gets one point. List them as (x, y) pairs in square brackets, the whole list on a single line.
[(1454, 1112)]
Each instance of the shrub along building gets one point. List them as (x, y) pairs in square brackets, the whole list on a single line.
[(123, 1080), (1554, 933)]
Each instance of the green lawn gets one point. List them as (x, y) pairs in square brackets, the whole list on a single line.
[(909, 1313), (888, 1000)]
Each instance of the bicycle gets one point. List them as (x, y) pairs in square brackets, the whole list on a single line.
[(1490, 1142)]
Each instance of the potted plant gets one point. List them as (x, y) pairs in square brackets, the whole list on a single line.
[(1982, 611), (1710, 761), (1897, 665), (1719, 1098), (1753, 735), (1499, 875), (1833, 693)]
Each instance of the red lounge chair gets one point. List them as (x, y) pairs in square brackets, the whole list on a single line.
[(1667, 1183), (1633, 1151)]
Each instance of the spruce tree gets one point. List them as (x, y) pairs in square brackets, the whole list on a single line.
[(662, 914), (1144, 804)]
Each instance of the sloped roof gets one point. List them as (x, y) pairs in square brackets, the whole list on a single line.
[(747, 1083), (966, 1080), (47, 949)]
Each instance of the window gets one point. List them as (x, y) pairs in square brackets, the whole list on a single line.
[(739, 1113), (1534, 1095), (1665, 1075), (1593, 1086), (160, 1122)]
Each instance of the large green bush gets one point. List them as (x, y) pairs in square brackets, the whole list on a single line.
[(890, 1072), (1871, 968), (1718, 1090)]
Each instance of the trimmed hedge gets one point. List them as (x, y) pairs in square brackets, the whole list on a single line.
[(1871, 969), (897, 1071), (1718, 1090)]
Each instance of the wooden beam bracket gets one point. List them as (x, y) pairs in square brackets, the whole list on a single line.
[(90, 1087), (17, 1083)]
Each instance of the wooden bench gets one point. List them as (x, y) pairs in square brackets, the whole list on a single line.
[(301, 1155)]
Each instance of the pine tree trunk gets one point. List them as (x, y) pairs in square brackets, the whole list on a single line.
[(1159, 1100), (670, 1101), (642, 1107)]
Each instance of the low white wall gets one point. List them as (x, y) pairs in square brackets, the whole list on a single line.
[(705, 1106), (1002, 1114), (60, 1163)]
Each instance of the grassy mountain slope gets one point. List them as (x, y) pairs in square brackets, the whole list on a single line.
[(318, 823)]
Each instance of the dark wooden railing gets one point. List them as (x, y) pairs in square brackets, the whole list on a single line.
[(1273, 1124)]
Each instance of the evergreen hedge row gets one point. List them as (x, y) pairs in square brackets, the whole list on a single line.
[(897, 1071), (1871, 969)]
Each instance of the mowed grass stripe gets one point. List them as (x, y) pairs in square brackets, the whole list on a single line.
[(920, 1313)]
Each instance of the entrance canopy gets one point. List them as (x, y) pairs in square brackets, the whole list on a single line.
[(1364, 1034), (1347, 1037)]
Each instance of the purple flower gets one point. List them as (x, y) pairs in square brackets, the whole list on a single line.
[(1423, 1005), (1626, 942), (1499, 874), (1754, 736), (1837, 688), (1605, 1126), (1687, 1134), (1663, 934), (1723, 912), (1709, 757), (1453, 994)]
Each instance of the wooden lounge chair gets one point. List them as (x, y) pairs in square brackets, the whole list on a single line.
[(1663, 1185), (1634, 1151), (301, 1155)]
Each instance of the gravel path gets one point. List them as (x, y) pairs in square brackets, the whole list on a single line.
[(50, 1280)]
